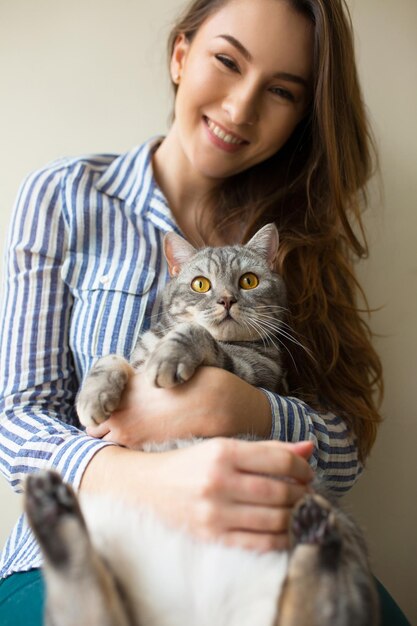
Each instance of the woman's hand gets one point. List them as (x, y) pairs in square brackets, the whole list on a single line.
[(212, 403), (234, 491)]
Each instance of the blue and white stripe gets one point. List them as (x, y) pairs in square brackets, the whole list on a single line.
[(84, 274)]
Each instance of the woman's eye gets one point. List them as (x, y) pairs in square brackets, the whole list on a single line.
[(227, 62), (201, 284), (248, 281), (282, 93)]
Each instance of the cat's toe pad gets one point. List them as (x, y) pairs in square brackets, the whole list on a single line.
[(47, 498), (312, 520), (52, 510)]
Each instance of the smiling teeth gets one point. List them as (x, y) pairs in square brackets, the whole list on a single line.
[(216, 130)]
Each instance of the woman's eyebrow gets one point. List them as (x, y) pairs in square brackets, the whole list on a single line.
[(294, 78), (236, 43)]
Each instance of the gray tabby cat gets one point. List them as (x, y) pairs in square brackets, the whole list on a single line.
[(223, 307)]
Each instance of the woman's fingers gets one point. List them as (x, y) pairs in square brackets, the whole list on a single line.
[(260, 542), (273, 458), (250, 527), (263, 490), (98, 431), (260, 519)]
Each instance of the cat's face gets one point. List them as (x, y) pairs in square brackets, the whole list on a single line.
[(230, 291)]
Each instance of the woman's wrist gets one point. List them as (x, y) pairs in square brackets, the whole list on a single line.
[(246, 408), (118, 471)]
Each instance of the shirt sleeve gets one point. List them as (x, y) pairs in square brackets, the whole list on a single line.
[(38, 426), (335, 458)]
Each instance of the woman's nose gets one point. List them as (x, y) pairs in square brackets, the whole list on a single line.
[(241, 106)]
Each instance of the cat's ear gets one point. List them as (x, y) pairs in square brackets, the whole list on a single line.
[(266, 242), (177, 252)]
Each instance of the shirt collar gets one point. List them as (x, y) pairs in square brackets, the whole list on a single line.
[(130, 178)]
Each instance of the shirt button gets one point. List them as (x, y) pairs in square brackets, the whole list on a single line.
[(104, 280)]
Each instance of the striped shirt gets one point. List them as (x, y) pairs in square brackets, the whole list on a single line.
[(84, 273)]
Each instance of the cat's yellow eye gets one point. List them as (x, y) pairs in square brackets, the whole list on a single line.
[(201, 284), (248, 281)]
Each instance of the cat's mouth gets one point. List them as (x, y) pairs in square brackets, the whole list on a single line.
[(226, 318), (228, 328)]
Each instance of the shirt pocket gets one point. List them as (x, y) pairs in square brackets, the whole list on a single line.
[(108, 307)]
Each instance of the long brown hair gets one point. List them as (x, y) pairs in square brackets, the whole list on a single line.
[(314, 190)]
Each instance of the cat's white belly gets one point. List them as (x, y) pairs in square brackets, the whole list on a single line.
[(172, 580)]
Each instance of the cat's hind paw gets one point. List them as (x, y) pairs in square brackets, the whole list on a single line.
[(314, 522), (48, 503)]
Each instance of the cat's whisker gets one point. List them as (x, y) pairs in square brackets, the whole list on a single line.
[(266, 328), (257, 307), (166, 327), (247, 324), (277, 327), (252, 324), (263, 332), (276, 308), (277, 334)]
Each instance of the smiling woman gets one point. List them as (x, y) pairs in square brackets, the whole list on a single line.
[(240, 96), (269, 126)]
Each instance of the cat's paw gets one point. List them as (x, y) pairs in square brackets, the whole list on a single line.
[(48, 502), (314, 521), (101, 392), (170, 364)]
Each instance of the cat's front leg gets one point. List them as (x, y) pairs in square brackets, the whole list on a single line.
[(177, 355), (102, 389)]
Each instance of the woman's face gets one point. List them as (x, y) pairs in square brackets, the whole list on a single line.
[(244, 85)]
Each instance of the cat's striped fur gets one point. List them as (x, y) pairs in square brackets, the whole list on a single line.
[(227, 326)]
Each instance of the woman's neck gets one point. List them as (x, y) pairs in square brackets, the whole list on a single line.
[(188, 195)]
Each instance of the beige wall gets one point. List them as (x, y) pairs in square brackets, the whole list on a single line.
[(88, 76), (385, 499)]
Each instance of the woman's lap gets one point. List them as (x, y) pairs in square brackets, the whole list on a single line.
[(22, 601)]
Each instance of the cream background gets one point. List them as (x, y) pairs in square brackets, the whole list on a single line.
[(90, 76)]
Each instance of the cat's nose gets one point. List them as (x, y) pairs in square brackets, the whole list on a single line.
[(227, 302)]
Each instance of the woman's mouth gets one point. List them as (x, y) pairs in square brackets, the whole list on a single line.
[(223, 138)]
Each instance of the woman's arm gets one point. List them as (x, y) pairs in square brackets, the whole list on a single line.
[(335, 457), (37, 379), (221, 489), (217, 403)]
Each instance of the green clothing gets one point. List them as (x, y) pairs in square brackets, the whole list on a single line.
[(22, 600)]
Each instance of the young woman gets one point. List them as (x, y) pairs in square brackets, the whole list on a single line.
[(269, 125)]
